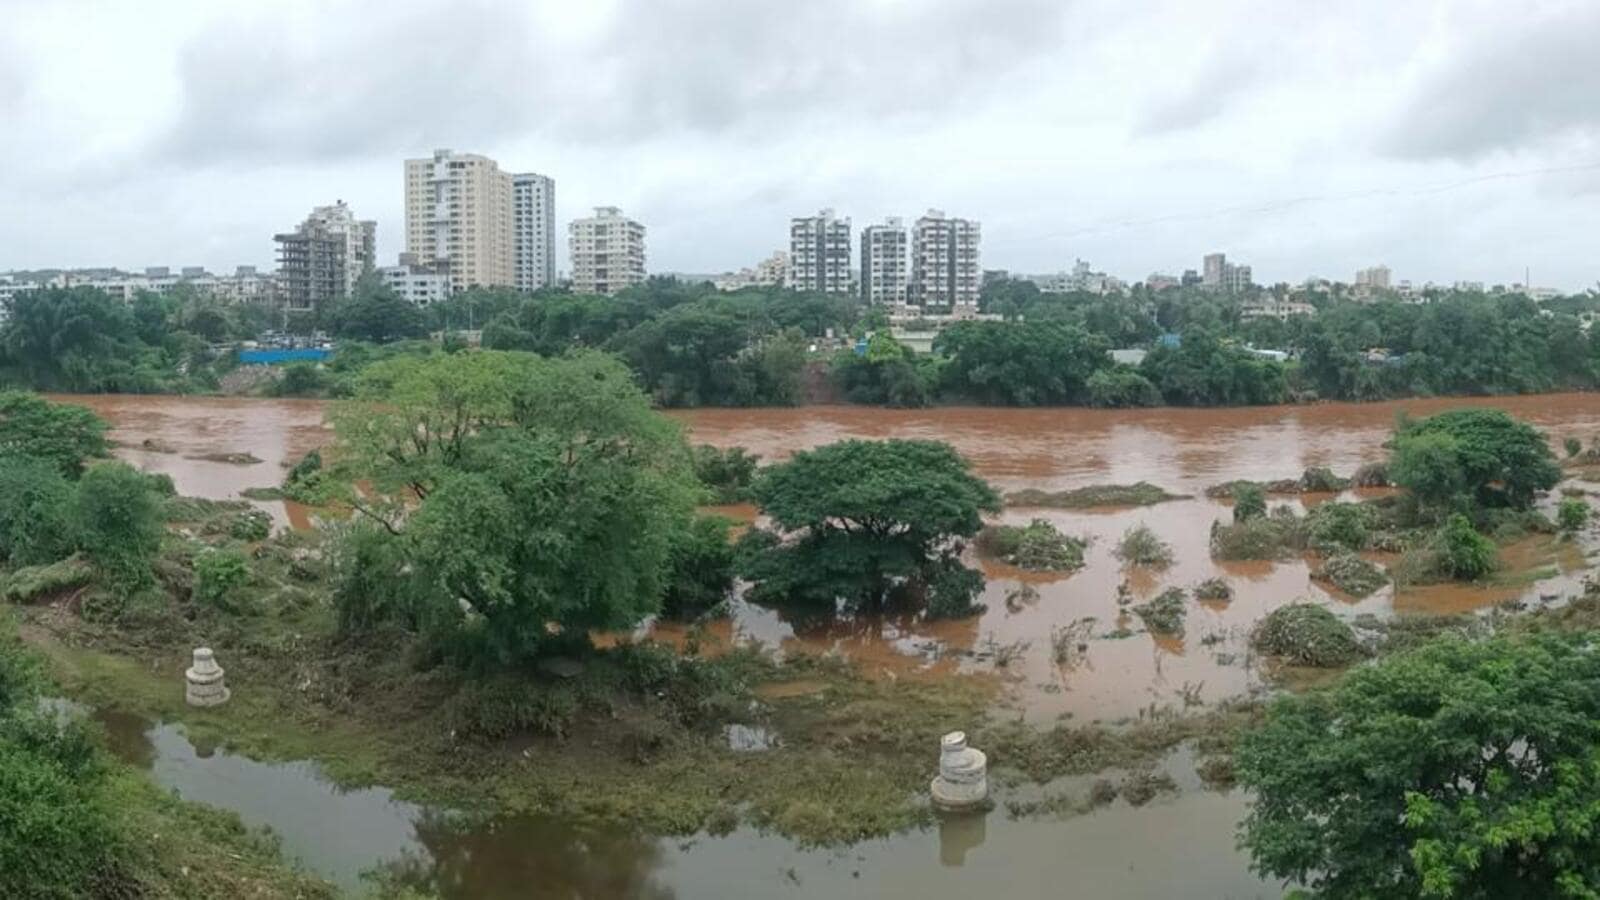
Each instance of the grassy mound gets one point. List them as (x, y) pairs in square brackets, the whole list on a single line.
[(1038, 546), (1306, 635), (33, 583), (1351, 574), (1264, 537), (1142, 493)]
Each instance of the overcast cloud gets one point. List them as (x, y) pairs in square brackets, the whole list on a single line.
[(1452, 140)]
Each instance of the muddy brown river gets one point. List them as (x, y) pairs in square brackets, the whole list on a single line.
[(1176, 846)]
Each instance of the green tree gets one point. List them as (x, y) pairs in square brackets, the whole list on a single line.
[(1456, 770), (1121, 387), (374, 312), (1464, 554), (1484, 455), (701, 575), (1572, 514), (551, 497), (867, 520), (1020, 363), (1249, 502), (889, 373), (117, 517), (62, 434)]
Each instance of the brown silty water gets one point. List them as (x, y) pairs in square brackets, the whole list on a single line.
[(1181, 450)]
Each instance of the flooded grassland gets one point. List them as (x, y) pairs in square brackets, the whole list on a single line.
[(858, 734)]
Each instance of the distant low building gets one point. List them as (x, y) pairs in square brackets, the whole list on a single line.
[(1275, 309), (418, 285), (770, 272)]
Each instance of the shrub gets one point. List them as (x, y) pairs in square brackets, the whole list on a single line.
[(701, 569), (1037, 546), (218, 576), (250, 525), (1120, 387), (369, 585), (118, 523), (1164, 613), (35, 508), (1351, 574), (727, 474), (1249, 502), (1140, 493), (300, 379), (1464, 554), (1572, 515), (1306, 635), (1140, 547), (507, 706), (1213, 589), (1320, 479), (1267, 537), (309, 465), (62, 434), (1340, 526), (1371, 475), (1573, 446)]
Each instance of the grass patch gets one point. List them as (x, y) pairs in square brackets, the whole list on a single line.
[(38, 583), (1038, 546), (1351, 574), (264, 493), (1141, 493), (1307, 635)]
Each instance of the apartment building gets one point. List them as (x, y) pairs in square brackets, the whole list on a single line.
[(885, 271), (1221, 275), (819, 253), (417, 284), (323, 257), (533, 210), (607, 252), (460, 220), (945, 271), (1376, 277)]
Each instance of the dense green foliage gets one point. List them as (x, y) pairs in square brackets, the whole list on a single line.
[(65, 435), (889, 374), (35, 505), (1249, 502), (80, 339), (726, 474), (1456, 770), (117, 516), (1572, 514), (864, 522), (1139, 546), (1463, 553), (1037, 546), (1020, 363), (374, 313), (1306, 635), (218, 576), (1205, 371), (701, 576), (548, 497), (1468, 457)]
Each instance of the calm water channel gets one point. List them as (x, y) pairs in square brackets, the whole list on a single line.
[(1178, 846)]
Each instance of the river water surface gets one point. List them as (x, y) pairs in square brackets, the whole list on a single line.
[(1176, 846)]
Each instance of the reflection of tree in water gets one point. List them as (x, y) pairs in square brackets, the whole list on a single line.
[(527, 857), (128, 737)]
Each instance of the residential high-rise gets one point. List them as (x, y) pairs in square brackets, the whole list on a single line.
[(459, 219), (1213, 270), (944, 263), (533, 204), (884, 270), (819, 253), (1375, 277), (321, 259), (607, 252), (1221, 275)]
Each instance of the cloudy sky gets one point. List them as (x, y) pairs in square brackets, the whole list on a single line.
[(1451, 140)]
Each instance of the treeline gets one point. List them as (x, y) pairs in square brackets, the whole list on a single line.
[(691, 345)]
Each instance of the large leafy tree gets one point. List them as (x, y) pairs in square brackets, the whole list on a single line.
[(374, 312), (545, 495), (862, 521), (1480, 456), (1457, 770), (1021, 363)]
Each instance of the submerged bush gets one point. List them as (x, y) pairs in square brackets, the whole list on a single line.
[(701, 569), (1463, 553), (1213, 589), (1249, 502), (1164, 613), (1572, 514), (1320, 479), (1351, 574), (1038, 546), (1266, 537), (727, 474), (1140, 547), (32, 583), (1340, 526), (1306, 635), (250, 525), (1371, 475)]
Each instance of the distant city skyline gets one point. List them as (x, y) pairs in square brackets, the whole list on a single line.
[(1451, 141)]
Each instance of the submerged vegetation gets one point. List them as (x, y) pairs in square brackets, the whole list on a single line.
[(1306, 635), (1037, 546), (1140, 546), (1141, 493)]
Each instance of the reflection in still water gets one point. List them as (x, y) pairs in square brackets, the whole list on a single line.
[(959, 833)]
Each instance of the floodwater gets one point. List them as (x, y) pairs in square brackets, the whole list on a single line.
[(1180, 844), (1177, 846)]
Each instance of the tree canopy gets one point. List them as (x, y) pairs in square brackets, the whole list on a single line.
[(62, 434), (1473, 456), (1462, 769), (865, 519), (550, 495)]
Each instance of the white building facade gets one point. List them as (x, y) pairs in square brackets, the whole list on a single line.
[(533, 206), (819, 253), (945, 269), (607, 252), (885, 270)]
